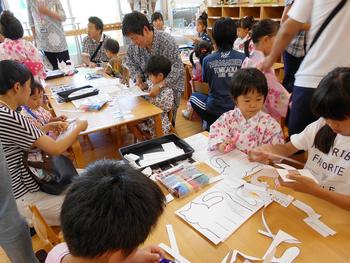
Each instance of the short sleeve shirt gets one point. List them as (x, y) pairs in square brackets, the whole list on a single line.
[(90, 46)]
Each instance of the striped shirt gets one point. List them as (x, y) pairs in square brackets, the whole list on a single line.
[(17, 136)]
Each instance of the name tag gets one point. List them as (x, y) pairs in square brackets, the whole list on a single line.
[(43, 30)]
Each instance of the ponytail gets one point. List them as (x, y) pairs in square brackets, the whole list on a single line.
[(246, 47), (191, 58), (324, 139), (203, 19)]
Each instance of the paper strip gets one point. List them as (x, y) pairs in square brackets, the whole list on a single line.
[(319, 226), (173, 253), (306, 208), (234, 255), (215, 179), (281, 198), (172, 239), (169, 198)]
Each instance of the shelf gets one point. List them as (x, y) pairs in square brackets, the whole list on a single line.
[(250, 11), (272, 12), (230, 12), (214, 11)]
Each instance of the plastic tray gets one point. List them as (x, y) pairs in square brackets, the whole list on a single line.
[(155, 145)]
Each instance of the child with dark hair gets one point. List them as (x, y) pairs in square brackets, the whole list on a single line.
[(247, 126), (108, 212), (157, 68), (157, 21), (263, 35), (201, 28), (115, 65), (326, 140), (244, 25), (218, 69), (15, 47)]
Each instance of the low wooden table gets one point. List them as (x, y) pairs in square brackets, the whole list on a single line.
[(135, 109)]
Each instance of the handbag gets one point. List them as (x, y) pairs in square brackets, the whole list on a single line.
[(58, 172)]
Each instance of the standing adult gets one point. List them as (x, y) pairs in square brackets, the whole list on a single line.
[(14, 232), (325, 54), (93, 43), (45, 19), (147, 42), (143, 6)]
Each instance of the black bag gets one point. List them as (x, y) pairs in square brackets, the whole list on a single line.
[(59, 172)]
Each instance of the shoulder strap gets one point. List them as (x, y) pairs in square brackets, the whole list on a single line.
[(334, 12), (97, 49)]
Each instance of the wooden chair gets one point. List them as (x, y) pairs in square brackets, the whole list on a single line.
[(45, 233), (201, 87)]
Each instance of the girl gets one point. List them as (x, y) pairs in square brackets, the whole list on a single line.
[(157, 21), (246, 126), (244, 25), (18, 135), (327, 141), (201, 50), (16, 48), (263, 36), (201, 28)]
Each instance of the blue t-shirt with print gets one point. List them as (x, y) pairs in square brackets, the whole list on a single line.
[(218, 69)]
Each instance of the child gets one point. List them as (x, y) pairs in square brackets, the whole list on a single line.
[(36, 113), (218, 69), (244, 25), (157, 21), (107, 213), (114, 66), (263, 36), (201, 50), (327, 141), (18, 136), (158, 68), (201, 28), (247, 124)]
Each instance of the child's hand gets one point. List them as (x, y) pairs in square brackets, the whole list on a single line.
[(92, 65), (151, 254), (59, 118), (302, 184), (81, 124), (56, 127), (139, 82), (260, 154), (154, 91)]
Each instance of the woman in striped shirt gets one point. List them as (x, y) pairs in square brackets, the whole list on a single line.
[(18, 135)]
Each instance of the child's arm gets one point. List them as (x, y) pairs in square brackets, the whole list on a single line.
[(306, 185), (261, 154), (219, 135), (56, 126)]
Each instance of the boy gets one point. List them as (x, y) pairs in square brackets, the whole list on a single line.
[(107, 213), (160, 95)]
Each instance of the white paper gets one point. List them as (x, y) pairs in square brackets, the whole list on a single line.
[(131, 157), (221, 210), (285, 166), (215, 179), (147, 171), (172, 239), (280, 237), (169, 146), (288, 256), (281, 198), (169, 198), (198, 142), (306, 208), (235, 253), (153, 158), (99, 98), (303, 172), (173, 253), (319, 226)]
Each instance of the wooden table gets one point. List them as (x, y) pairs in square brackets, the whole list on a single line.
[(314, 247), (136, 108)]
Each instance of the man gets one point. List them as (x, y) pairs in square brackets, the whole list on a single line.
[(14, 232), (93, 44), (45, 20), (143, 6), (147, 42), (327, 53)]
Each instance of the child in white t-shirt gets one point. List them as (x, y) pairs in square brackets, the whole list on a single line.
[(327, 141), (244, 25)]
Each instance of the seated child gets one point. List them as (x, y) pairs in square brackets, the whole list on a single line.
[(107, 213), (114, 66), (244, 25), (263, 35), (38, 115), (246, 126), (326, 140), (201, 28), (157, 68), (157, 21)]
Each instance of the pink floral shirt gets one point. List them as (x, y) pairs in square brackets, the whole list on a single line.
[(258, 130), (197, 72), (24, 52), (277, 100), (38, 117)]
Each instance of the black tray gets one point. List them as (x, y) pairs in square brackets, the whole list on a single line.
[(155, 145), (64, 95)]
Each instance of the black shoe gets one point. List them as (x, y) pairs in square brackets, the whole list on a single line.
[(32, 231), (41, 255)]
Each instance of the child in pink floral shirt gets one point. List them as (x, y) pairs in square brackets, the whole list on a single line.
[(263, 36), (16, 48), (246, 126)]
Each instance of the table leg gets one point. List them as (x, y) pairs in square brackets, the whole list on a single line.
[(78, 154), (158, 125)]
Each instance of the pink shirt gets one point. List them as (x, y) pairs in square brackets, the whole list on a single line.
[(57, 253), (23, 51), (277, 100), (258, 130)]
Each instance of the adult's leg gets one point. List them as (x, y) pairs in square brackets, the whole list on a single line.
[(300, 114), (291, 66), (54, 56)]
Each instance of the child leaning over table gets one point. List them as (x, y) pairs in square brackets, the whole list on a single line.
[(157, 68), (246, 126)]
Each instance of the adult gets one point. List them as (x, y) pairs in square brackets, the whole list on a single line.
[(18, 136), (294, 53), (147, 42), (93, 43), (14, 232), (15, 47), (326, 53), (218, 69), (45, 20), (143, 6)]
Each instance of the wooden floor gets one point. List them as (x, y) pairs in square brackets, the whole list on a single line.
[(103, 145)]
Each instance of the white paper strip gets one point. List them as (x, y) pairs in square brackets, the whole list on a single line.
[(306, 208), (173, 253), (233, 254), (172, 239)]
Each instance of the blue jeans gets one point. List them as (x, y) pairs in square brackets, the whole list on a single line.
[(14, 233), (300, 114)]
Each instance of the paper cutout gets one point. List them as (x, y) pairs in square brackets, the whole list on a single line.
[(173, 253), (221, 210), (279, 238), (172, 239), (234, 254), (306, 208), (169, 198), (303, 172), (255, 178), (319, 226), (288, 256), (281, 198)]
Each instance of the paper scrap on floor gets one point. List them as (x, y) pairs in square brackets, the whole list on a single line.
[(221, 210)]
